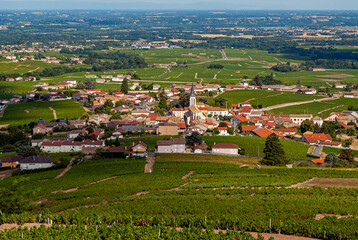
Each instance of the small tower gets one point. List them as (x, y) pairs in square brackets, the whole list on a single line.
[(192, 98)]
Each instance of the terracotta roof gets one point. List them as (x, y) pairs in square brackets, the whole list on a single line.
[(318, 161), (222, 128), (345, 125), (225, 145), (331, 143), (286, 130), (172, 141), (40, 126), (317, 137), (263, 132), (140, 143), (248, 128), (241, 118), (181, 125)]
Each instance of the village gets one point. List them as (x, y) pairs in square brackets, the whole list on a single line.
[(113, 116)]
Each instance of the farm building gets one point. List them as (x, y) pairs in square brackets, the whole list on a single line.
[(225, 148), (36, 162)]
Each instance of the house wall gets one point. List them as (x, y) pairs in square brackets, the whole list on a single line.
[(230, 151), (30, 166), (175, 148)]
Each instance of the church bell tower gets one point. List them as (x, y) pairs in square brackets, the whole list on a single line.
[(192, 98)]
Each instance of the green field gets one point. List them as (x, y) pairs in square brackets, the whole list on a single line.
[(24, 113), (187, 191), (321, 109), (265, 98)]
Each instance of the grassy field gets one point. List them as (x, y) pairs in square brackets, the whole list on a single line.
[(23, 113), (254, 146), (265, 98), (321, 109)]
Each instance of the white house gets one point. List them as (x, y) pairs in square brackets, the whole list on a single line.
[(223, 131), (68, 146), (225, 148), (173, 145), (217, 111), (299, 118), (36, 162)]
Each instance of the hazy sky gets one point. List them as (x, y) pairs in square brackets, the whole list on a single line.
[(183, 4)]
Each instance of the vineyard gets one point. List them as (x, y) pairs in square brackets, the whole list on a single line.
[(108, 198)]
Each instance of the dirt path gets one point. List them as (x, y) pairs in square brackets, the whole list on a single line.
[(179, 75), (187, 175), (278, 60), (69, 166), (328, 109), (7, 173), (295, 103), (215, 76), (76, 188), (223, 54), (54, 113), (196, 76), (33, 70), (150, 165), (299, 185), (86, 109)]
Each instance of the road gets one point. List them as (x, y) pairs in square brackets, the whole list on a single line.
[(167, 70), (295, 103)]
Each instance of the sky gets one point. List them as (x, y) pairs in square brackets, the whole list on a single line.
[(180, 5)]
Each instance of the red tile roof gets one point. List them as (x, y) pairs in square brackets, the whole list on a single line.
[(225, 145), (222, 128), (317, 137), (264, 132), (241, 118), (181, 125), (248, 128), (318, 161), (345, 125), (286, 130)]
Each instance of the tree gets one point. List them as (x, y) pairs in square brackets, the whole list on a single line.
[(162, 103), (257, 80), (351, 132), (274, 153), (90, 84), (184, 100), (223, 124), (194, 138), (31, 151), (347, 154), (332, 159), (81, 86), (125, 87), (307, 125)]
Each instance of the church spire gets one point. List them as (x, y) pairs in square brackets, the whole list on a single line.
[(192, 97), (192, 92)]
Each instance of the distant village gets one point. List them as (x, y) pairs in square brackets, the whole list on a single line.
[(134, 114)]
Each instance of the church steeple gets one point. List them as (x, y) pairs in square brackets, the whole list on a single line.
[(192, 98)]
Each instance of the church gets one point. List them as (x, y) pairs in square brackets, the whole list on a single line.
[(193, 112)]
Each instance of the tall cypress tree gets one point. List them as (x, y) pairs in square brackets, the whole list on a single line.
[(274, 153), (125, 87)]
